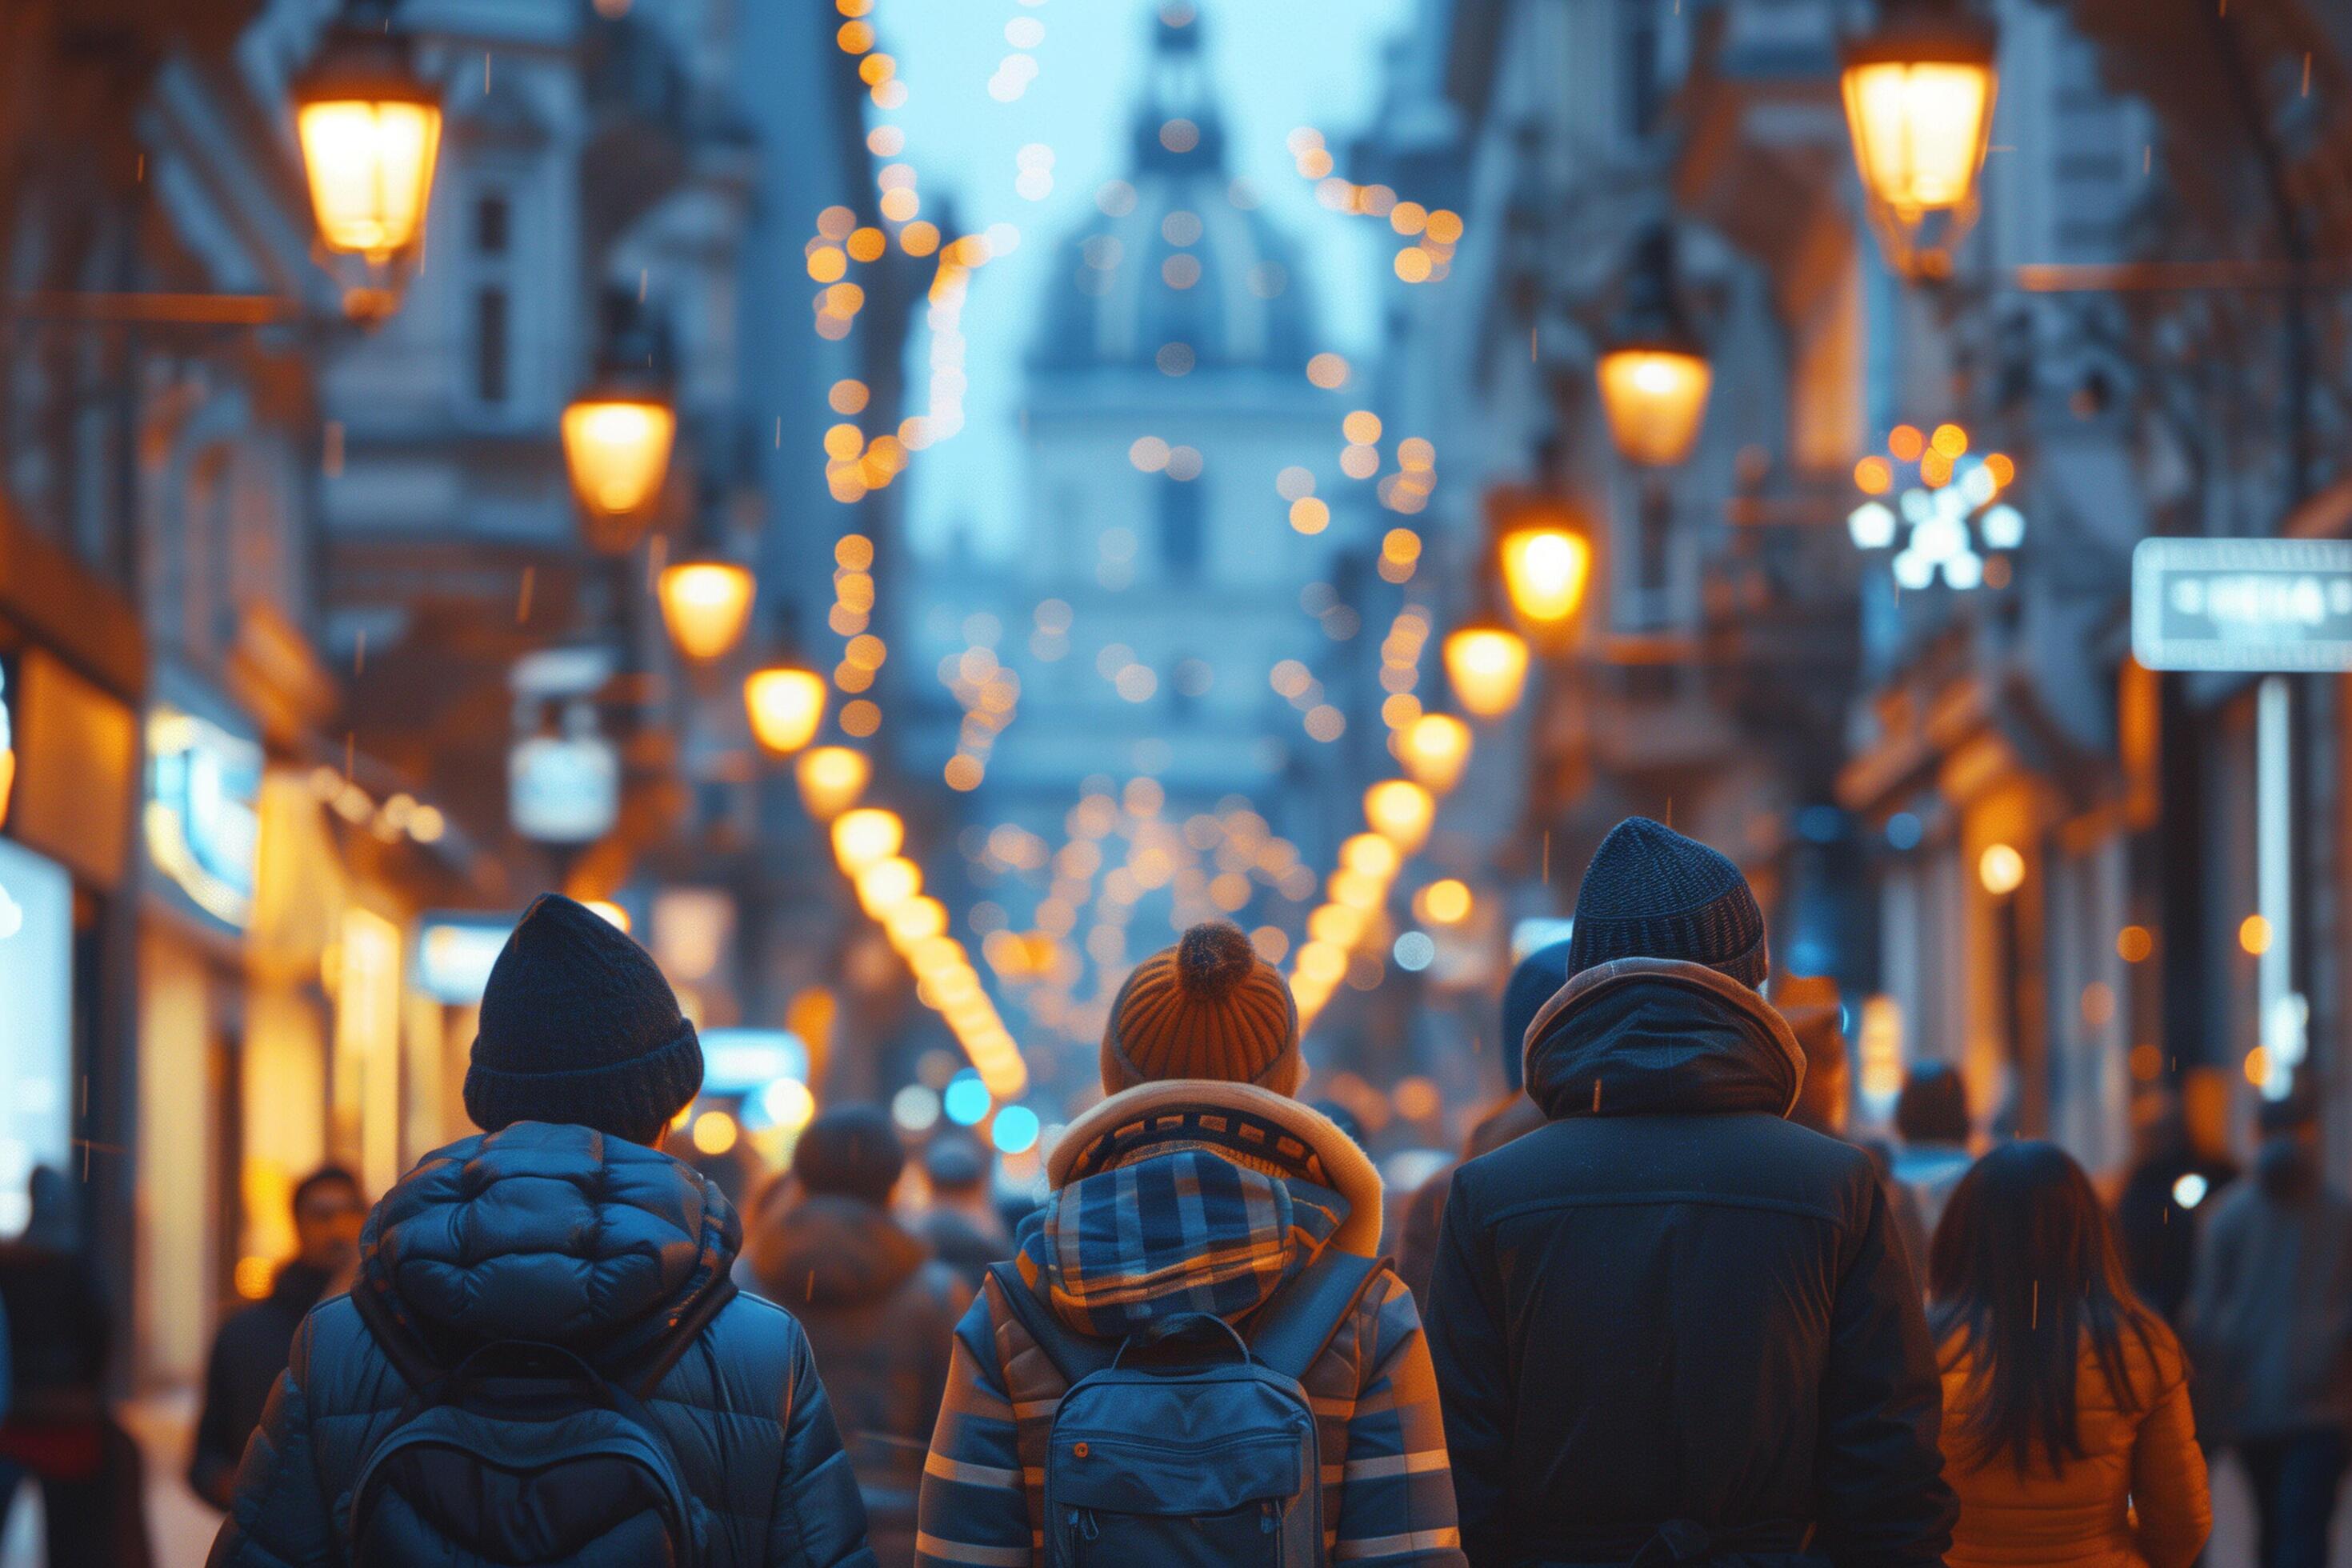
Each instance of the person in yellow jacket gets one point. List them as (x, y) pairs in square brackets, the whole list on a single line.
[(2067, 1431)]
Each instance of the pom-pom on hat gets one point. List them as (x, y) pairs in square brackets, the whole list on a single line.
[(578, 1026), (1208, 1007)]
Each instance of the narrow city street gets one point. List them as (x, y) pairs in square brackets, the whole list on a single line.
[(985, 783)]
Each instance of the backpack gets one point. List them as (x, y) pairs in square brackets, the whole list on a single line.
[(522, 1453), (1200, 1450)]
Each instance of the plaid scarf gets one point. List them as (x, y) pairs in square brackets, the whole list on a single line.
[(1177, 1232)]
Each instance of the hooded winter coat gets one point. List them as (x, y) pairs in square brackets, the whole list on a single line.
[(563, 1236), (1672, 1320), (880, 1313), (1160, 1209)]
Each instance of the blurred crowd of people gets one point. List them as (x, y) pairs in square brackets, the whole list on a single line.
[(1667, 1308)]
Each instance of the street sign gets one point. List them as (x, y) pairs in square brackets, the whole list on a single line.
[(2242, 603)]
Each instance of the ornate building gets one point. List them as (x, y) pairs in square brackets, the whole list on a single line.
[(1159, 614)]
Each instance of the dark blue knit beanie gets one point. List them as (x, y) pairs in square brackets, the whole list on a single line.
[(578, 1026), (1652, 893), (1531, 985)]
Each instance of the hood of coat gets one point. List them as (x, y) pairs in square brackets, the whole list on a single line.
[(1188, 1196), (833, 1250), (559, 1234), (1650, 1036)]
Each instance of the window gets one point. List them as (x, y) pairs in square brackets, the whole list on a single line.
[(491, 224), (1183, 532), (491, 345)]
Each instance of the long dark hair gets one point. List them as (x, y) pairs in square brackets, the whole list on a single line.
[(2024, 1268)]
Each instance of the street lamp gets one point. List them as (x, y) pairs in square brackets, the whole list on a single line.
[(369, 131), (1435, 748), (1400, 811), (1545, 564), (786, 705), (1653, 373), (618, 432), (706, 605), (1487, 665), (831, 780), (1919, 93)]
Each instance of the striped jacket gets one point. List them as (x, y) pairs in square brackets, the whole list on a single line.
[(1183, 1198)]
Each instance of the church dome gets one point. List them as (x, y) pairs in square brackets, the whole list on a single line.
[(1181, 269)]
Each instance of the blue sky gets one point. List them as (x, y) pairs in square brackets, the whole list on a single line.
[(1280, 63)]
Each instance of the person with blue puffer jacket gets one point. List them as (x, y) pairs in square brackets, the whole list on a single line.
[(563, 1225)]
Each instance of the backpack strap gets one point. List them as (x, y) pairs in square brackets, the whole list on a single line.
[(1074, 1355), (409, 1357), (1292, 1328)]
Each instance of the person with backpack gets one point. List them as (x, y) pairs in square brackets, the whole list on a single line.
[(2068, 1430), (1195, 1356), (543, 1359), (1670, 1325)]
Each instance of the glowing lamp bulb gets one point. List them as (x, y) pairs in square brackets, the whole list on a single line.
[(369, 144), (1545, 568), (706, 604), (1655, 399), (786, 706), (1487, 667), (617, 451)]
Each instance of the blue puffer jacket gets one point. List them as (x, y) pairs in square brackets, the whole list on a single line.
[(563, 1236)]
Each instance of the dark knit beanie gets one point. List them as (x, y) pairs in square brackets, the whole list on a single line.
[(1208, 1007), (853, 1150), (579, 1025), (1652, 893), (1532, 984)]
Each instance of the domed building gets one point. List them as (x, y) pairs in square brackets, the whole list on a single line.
[(1158, 580), (1167, 391)]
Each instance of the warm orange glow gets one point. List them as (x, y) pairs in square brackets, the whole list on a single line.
[(2258, 1067), (706, 605), (1400, 811), (1918, 105), (1443, 903), (886, 884), (1656, 400), (1874, 476), (611, 913), (1906, 442), (2134, 944), (1436, 748), (1370, 854), (916, 920), (831, 780), (866, 835), (370, 163), (2255, 935), (715, 1132), (786, 706), (2001, 870), (617, 449), (1488, 669), (1545, 567), (1950, 441), (1335, 924)]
